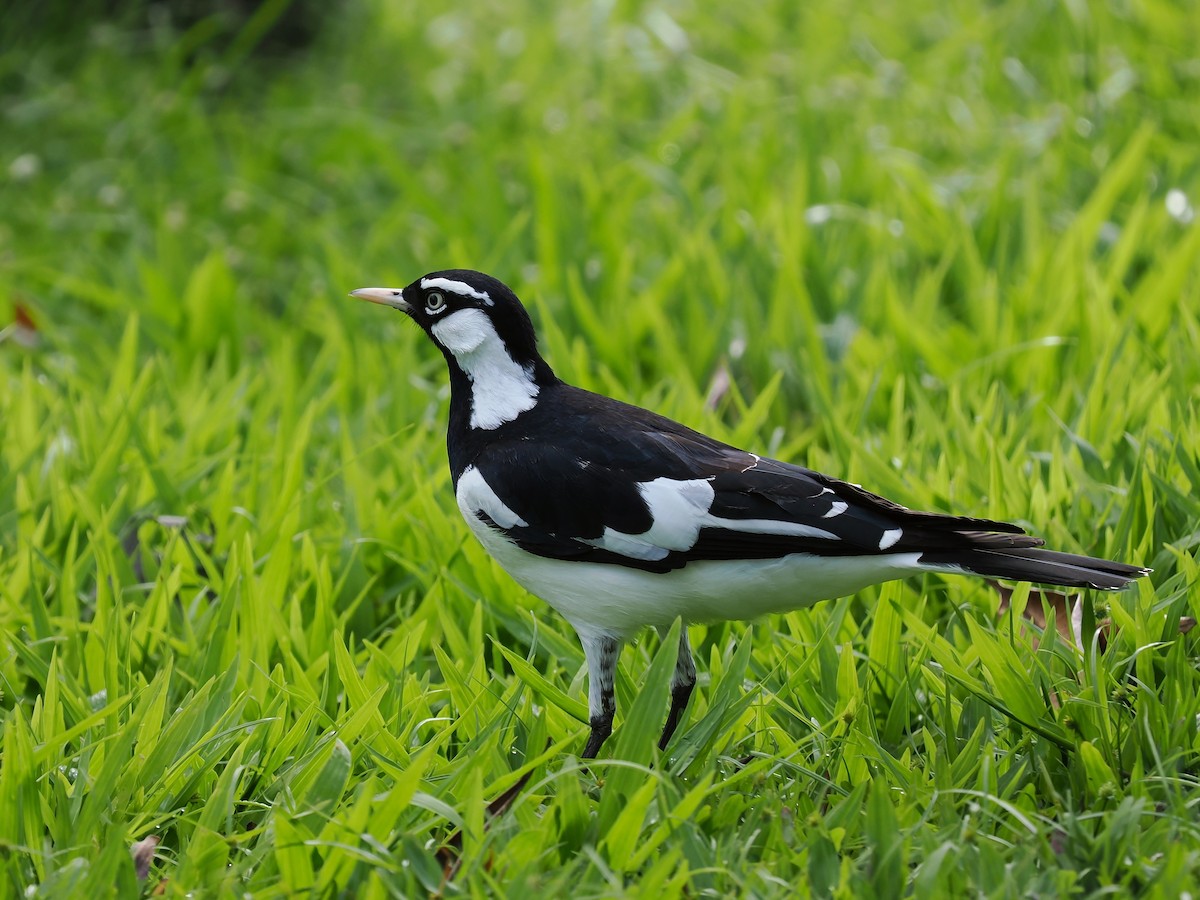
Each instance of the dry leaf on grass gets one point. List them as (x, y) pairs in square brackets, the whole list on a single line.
[(1068, 614), (718, 387), (143, 855), (23, 330)]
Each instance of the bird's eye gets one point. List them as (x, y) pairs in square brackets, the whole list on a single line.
[(434, 301)]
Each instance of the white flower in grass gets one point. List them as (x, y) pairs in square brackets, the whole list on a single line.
[(1179, 207)]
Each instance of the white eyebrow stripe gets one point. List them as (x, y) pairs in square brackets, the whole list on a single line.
[(459, 287)]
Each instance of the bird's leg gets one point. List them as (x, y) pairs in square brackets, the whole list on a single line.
[(601, 651), (682, 683)]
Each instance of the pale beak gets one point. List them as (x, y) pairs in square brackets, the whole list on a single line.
[(385, 296)]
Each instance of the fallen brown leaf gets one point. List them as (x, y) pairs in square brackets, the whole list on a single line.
[(143, 855), (718, 387), (1068, 616), (23, 330)]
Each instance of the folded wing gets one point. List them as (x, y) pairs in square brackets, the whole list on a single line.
[(687, 498)]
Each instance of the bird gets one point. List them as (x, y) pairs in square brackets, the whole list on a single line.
[(621, 519)]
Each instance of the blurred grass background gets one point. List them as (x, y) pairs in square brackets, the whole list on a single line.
[(945, 250)]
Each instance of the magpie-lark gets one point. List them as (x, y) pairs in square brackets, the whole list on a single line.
[(620, 518)]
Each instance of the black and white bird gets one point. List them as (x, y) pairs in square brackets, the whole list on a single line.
[(620, 518)]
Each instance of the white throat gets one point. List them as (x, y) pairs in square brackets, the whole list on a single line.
[(501, 389)]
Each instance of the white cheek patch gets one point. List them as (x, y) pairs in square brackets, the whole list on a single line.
[(475, 496), (678, 511), (458, 287), (501, 389), (463, 331)]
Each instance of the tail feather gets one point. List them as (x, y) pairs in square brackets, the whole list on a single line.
[(1038, 566)]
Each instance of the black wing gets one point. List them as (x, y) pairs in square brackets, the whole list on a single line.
[(648, 493)]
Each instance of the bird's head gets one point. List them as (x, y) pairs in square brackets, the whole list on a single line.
[(462, 311), (485, 334)]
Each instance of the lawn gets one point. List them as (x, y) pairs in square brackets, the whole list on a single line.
[(946, 250)]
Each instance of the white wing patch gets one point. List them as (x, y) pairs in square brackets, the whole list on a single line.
[(770, 526), (458, 287), (836, 509), (633, 546), (678, 510), (475, 495), (501, 389), (890, 537)]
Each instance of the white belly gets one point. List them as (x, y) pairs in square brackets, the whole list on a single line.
[(619, 600)]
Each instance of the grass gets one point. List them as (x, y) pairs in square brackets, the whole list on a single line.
[(936, 249)]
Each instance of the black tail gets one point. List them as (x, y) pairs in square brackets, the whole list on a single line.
[(1037, 565)]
